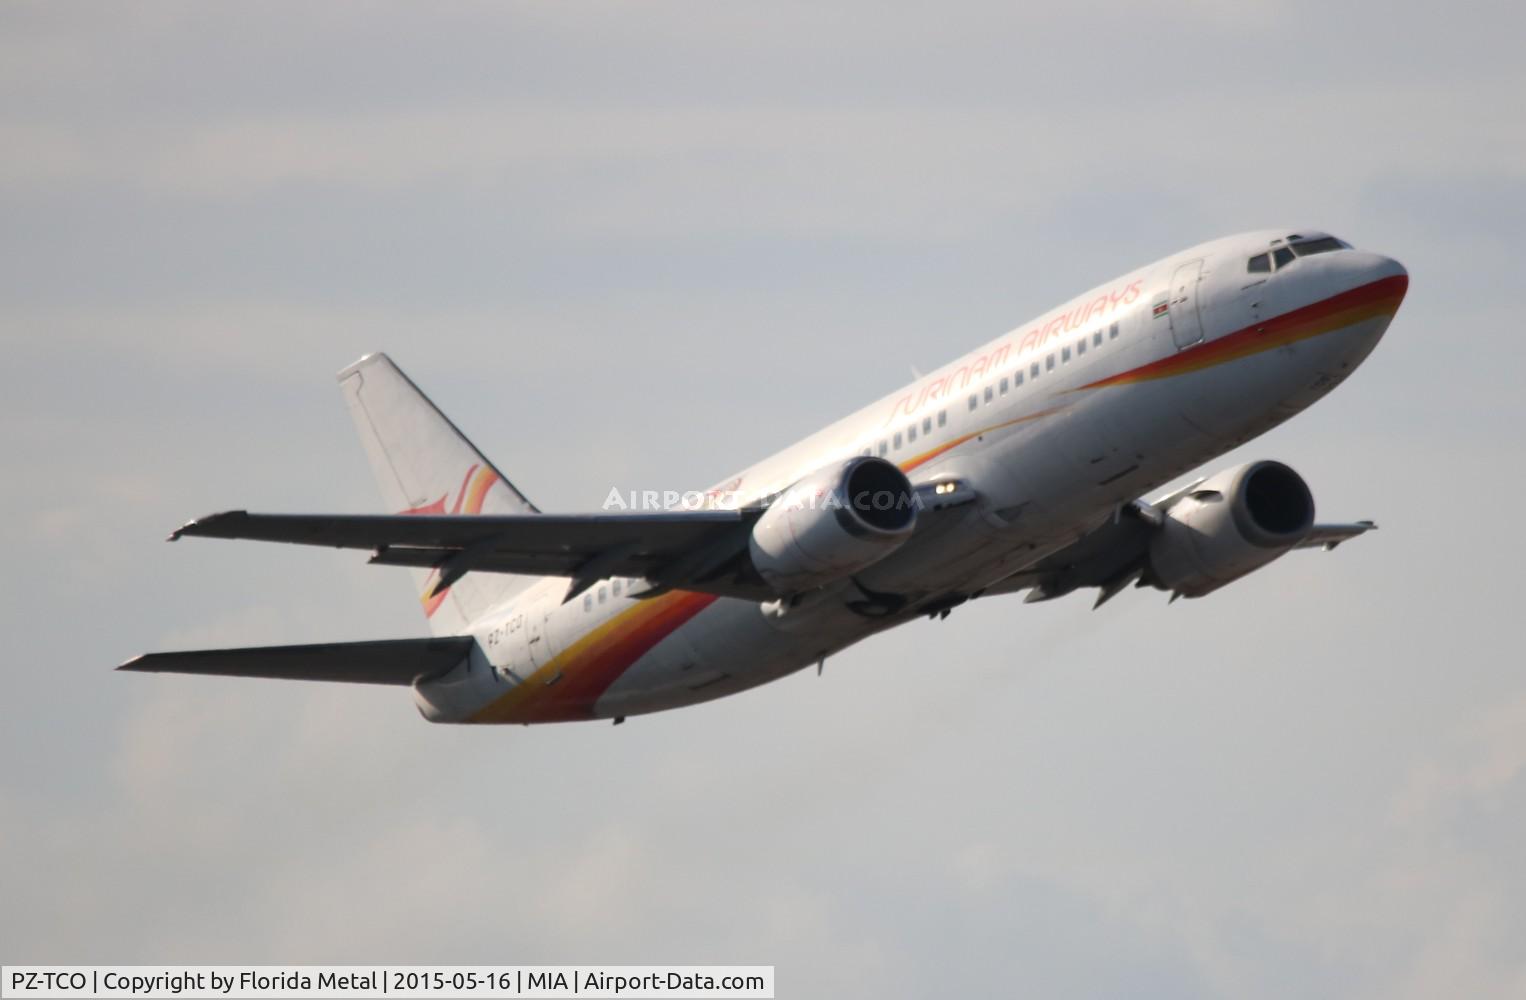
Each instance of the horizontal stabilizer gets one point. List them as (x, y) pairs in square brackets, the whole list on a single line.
[(386, 661)]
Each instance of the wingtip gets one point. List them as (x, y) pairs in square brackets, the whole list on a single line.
[(188, 528), (197, 525)]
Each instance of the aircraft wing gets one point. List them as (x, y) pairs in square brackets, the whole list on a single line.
[(387, 661), (1328, 536), (699, 550), (702, 550), (1113, 555), (1109, 557)]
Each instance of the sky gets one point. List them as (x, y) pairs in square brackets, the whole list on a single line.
[(643, 246)]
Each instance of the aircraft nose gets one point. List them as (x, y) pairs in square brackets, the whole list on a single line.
[(1387, 267), (1393, 277), (1364, 268), (1375, 286)]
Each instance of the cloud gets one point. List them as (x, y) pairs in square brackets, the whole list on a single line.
[(1486, 766), (877, 171)]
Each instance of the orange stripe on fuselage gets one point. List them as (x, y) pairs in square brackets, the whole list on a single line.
[(586, 669), (928, 456), (590, 665), (1378, 298)]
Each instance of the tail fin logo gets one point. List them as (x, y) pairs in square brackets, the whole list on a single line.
[(469, 498)]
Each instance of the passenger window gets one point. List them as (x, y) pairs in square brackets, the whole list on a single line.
[(1097, 339), (988, 394), (1017, 379), (1283, 256), (1049, 363), (911, 433), (1004, 385), (883, 449), (1112, 332), (927, 425), (615, 587), (897, 443), (942, 417), (602, 595), (1034, 371), (1064, 355), (587, 602), (1259, 264), (1080, 347), (974, 401)]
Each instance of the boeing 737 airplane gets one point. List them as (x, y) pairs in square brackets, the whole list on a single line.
[(1022, 466)]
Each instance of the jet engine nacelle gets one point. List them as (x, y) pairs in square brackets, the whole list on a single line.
[(1237, 521), (833, 523)]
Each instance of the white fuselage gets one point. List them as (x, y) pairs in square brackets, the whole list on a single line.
[(1053, 425)]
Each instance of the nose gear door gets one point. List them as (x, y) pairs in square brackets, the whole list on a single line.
[(1186, 323)]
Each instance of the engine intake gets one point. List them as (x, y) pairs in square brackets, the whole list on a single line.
[(1237, 521), (833, 523)]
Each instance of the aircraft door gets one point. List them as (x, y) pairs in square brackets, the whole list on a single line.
[(1186, 323), (534, 624), (538, 635)]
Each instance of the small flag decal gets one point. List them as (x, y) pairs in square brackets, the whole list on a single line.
[(1160, 309)]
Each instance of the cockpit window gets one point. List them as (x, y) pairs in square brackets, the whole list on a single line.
[(1322, 245), (1283, 256), (1259, 263)]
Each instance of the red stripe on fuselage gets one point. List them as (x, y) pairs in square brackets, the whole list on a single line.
[(1338, 311), (566, 688)]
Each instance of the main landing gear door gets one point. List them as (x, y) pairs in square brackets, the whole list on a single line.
[(1186, 324)]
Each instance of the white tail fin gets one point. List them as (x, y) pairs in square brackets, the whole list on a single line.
[(424, 465)]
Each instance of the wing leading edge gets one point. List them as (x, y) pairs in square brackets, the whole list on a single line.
[(1114, 555)]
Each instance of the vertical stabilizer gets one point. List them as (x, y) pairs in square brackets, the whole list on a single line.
[(424, 465)]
